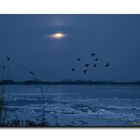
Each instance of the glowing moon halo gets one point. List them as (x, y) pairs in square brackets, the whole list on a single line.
[(57, 35)]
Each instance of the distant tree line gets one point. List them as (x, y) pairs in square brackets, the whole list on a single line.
[(67, 82)]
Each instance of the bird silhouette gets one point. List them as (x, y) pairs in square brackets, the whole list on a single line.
[(86, 65), (107, 64), (96, 59), (93, 54), (8, 59), (32, 73), (78, 59), (85, 71), (94, 65), (73, 69), (3, 66)]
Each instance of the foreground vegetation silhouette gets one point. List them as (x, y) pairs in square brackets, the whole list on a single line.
[(4, 82)]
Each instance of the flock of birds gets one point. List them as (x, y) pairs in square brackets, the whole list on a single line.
[(86, 66)]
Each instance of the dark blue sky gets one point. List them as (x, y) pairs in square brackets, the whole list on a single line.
[(114, 38)]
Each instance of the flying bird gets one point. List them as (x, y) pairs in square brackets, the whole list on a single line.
[(86, 65), (3, 66), (73, 69), (8, 59), (93, 54), (32, 73), (78, 59), (85, 71), (96, 59), (107, 64), (94, 65)]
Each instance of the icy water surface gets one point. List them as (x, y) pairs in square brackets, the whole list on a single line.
[(76, 105)]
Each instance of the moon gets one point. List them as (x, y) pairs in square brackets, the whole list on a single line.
[(57, 35)]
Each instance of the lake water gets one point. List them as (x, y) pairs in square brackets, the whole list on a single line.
[(76, 105)]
